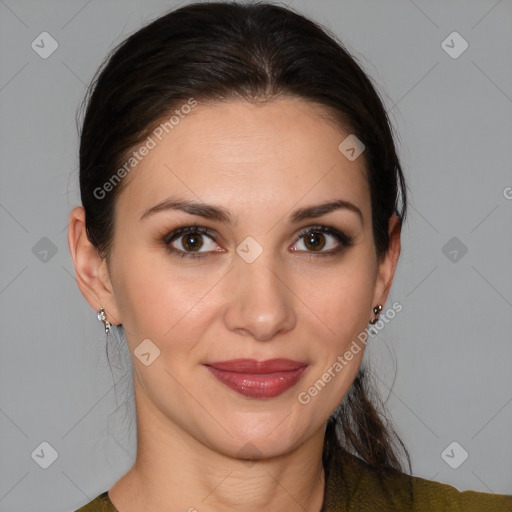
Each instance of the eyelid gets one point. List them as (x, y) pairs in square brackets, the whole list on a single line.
[(345, 241), (177, 233), (192, 228), (342, 237)]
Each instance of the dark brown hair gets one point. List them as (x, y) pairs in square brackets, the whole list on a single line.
[(218, 51)]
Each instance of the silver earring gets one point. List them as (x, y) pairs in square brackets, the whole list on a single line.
[(102, 317), (376, 310)]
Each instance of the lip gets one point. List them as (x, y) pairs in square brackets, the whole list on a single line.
[(258, 379)]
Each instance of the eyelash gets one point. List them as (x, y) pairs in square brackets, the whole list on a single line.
[(345, 240)]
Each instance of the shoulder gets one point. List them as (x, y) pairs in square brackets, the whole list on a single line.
[(101, 503), (353, 485), (438, 496)]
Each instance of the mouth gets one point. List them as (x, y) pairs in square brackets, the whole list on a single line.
[(258, 379)]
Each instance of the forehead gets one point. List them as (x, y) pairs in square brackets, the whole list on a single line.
[(236, 153)]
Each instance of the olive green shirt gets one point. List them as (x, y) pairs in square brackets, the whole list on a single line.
[(361, 488)]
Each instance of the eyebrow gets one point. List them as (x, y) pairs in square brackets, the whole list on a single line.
[(225, 216)]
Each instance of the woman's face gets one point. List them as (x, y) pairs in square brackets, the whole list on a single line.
[(250, 287)]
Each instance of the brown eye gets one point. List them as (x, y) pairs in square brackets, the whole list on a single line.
[(192, 241), (314, 241), (317, 238)]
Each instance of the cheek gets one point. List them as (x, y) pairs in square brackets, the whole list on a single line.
[(168, 302), (160, 302), (341, 299)]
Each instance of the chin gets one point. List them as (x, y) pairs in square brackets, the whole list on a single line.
[(260, 439)]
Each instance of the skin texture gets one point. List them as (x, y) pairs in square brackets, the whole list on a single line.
[(261, 162)]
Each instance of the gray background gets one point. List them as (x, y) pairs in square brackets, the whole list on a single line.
[(450, 345)]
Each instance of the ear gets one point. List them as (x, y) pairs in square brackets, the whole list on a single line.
[(91, 271), (388, 263)]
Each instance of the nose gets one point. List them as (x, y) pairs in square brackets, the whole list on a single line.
[(261, 301)]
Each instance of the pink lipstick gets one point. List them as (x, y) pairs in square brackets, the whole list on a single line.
[(258, 379)]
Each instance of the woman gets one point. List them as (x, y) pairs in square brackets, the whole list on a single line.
[(241, 226)]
